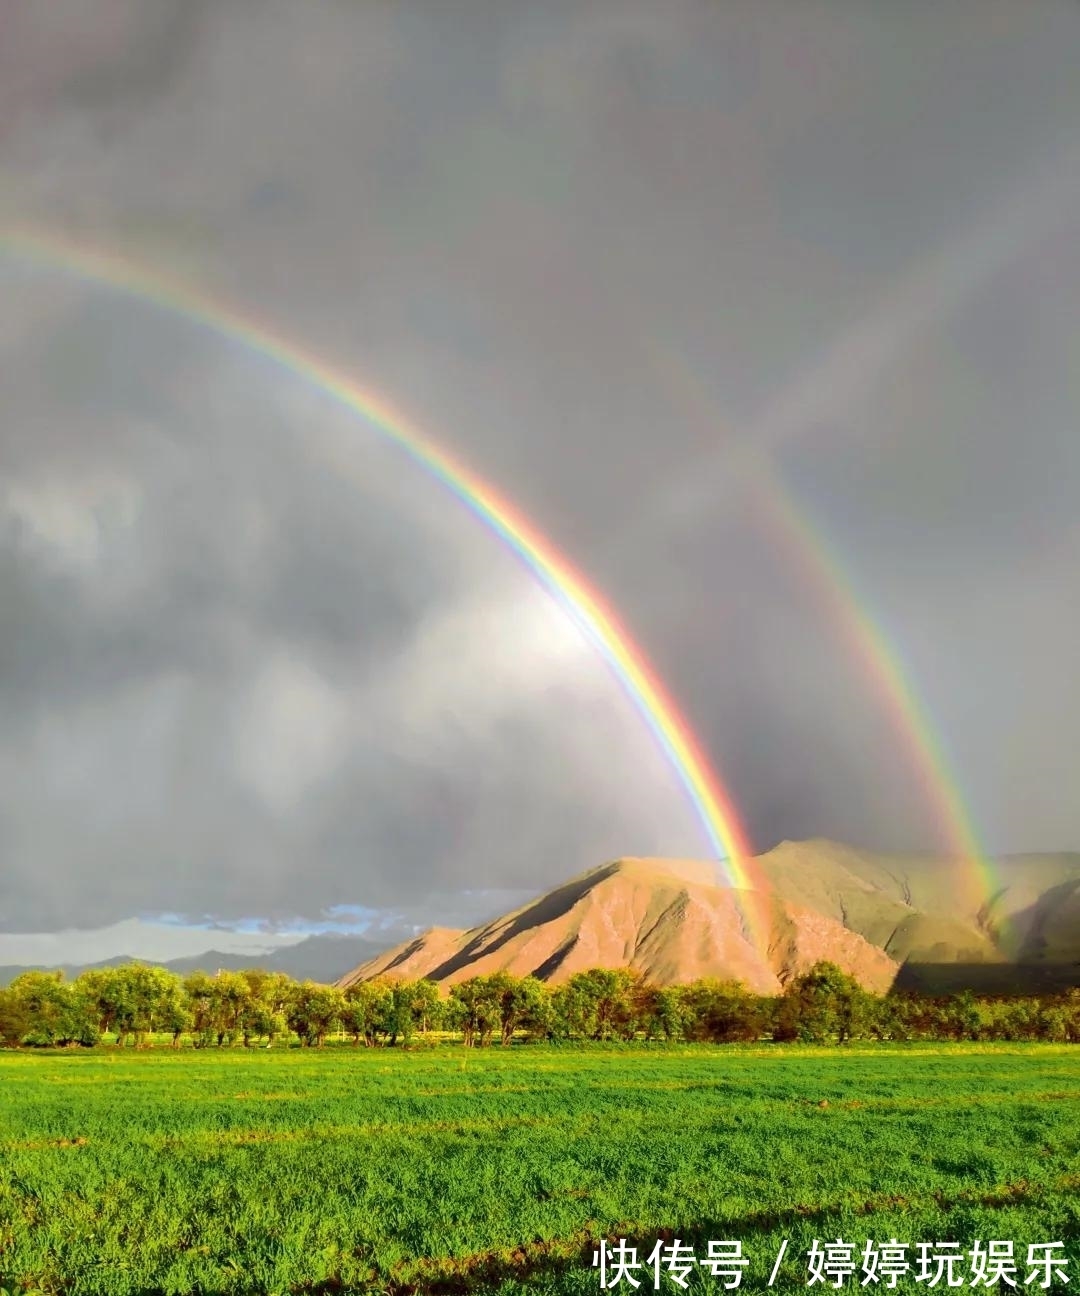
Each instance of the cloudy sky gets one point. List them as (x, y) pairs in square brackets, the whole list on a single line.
[(766, 315)]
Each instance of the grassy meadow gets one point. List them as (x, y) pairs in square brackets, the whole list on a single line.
[(443, 1169)]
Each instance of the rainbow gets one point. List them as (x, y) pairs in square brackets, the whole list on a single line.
[(1029, 212), (705, 791), (803, 541)]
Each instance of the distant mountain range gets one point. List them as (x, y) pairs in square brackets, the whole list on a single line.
[(890, 920), (316, 958)]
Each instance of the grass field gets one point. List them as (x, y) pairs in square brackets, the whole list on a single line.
[(496, 1170)]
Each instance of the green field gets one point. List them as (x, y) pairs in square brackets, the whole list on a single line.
[(496, 1170)]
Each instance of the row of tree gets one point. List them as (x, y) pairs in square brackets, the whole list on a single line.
[(131, 1003)]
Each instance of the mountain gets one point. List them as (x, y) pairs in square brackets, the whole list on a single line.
[(947, 923), (316, 958), (667, 918), (912, 920)]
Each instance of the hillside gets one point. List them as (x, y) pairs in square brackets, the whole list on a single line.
[(887, 919)]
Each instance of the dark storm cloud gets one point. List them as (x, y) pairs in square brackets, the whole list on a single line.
[(248, 651)]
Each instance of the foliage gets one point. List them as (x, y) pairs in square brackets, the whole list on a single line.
[(48, 1010), (133, 1003), (825, 1005), (313, 1010), (501, 1004)]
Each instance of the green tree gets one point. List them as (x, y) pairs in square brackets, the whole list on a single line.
[(476, 1007), (659, 1011), (263, 1006), (155, 998), (425, 1004), (367, 1011), (52, 1011), (824, 1005), (14, 1018), (1060, 1018), (520, 1002), (202, 1007), (173, 1013), (313, 1011), (218, 1006), (134, 1000), (597, 1004), (722, 1012), (408, 1007), (106, 992)]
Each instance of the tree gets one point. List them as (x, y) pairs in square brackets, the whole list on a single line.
[(722, 1012), (264, 1006), (49, 1010), (477, 1009), (313, 1011), (220, 1006), (106, 992), (961, 1019), (519, 1001), (367, 1010), (133, 999), (659, 1011), (1061, 1018), (910, 1016), (14, 1018), (202, 1006), (824, 1004), (424, 1003), (597, 1004), (173, 1014), (155, 997), (400, 1017)]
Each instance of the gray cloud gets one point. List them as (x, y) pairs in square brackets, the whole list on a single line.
[(249, 650), (269, 665)]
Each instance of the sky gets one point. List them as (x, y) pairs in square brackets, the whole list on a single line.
[(664, 276)]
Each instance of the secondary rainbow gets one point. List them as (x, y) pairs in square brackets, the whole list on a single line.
[(703, 787), (803, 541)]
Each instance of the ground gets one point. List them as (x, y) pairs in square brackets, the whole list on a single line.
[(498, 1170)]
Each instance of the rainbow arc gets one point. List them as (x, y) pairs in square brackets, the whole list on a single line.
[(804, 544), (710, 800)]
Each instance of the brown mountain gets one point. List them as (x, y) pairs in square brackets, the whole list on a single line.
[(917, 919)]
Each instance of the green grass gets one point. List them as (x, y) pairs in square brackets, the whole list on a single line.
[(496, 1170)]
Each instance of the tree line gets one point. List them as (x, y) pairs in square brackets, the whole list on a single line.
[(131, 1003)]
